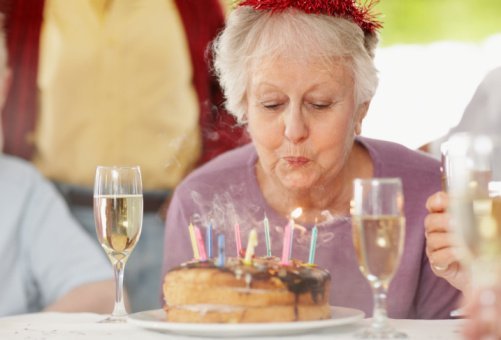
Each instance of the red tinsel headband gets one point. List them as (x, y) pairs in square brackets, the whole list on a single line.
[(348, 9)]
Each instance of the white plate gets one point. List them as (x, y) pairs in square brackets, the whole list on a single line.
[(156, 320)]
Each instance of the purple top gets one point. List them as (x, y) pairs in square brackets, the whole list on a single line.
[(225, 191)]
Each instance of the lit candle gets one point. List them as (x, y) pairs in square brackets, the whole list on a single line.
[(286, 245), (251, 245), (291, 236), (220, 250), (201, 246), (238, 240), (267, 235), (193, 239), (294, 214), (208, 240), (313, 245)]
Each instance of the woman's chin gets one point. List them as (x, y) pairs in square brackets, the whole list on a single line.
[(297, 183)]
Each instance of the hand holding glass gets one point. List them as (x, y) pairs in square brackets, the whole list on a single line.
[(378, 236), (118, 213)]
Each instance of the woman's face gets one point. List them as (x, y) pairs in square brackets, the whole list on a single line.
[(302, 119)]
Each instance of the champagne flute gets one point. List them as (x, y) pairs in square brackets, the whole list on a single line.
[(118, 213), (444, 169), (474, 177), (378, 235)]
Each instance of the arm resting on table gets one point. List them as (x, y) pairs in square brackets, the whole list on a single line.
[(96, 297)]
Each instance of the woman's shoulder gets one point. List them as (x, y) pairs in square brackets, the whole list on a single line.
[(398, 155), (419, 172)]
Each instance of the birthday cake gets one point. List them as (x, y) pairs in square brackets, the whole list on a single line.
[(263, 291)]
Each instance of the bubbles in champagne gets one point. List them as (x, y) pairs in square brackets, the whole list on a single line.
[(378, 242), (118, 223)]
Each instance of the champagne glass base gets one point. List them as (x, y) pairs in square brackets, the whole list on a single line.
[(380, 333), (114, 319), (458, 313)]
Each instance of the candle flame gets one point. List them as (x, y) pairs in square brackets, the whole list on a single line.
[(297, 212)]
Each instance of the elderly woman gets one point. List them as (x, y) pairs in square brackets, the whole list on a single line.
[(301, 75)]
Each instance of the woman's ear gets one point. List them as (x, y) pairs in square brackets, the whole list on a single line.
[(361, 112)]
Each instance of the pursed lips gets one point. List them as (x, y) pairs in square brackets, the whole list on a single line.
[(296, 161)]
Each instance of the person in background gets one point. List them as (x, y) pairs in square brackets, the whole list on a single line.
[(482, 115), (301, 75), (112, 82), (48, 262)]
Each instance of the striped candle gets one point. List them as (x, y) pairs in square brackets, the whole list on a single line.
[(220, 250), (251, 246), (193, 239), (313, 245), (267, 235), (208, 240)]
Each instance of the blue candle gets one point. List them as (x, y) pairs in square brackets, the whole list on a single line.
[(220, 249), (208, 240), (313, 245)]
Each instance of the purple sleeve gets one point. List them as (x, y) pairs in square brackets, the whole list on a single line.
[(177, 245), (435, 298)]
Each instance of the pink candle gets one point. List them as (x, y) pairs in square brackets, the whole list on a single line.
[(238, 240), (201, 245), (286, 244)]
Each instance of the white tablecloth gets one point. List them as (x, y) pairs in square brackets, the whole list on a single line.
[(85, 326)]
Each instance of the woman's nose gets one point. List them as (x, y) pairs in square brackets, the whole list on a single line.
[(296, 129)]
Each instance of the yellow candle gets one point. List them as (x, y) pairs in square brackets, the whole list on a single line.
[(251, 245)]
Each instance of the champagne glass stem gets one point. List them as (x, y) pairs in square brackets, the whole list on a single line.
[(119, 308), (379, 317)]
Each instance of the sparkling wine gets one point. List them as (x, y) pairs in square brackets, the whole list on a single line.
[(479, 225), (118, 223), (378, 242)]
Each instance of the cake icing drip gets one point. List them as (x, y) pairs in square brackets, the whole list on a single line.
[(298, 277)]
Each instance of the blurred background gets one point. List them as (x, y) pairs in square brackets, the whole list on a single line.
[(432, 56)]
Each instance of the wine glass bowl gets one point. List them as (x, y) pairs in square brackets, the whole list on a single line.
[(118, 224), (378, 230), (118, 213)]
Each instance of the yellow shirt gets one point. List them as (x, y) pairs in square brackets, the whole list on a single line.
[(115, 82)]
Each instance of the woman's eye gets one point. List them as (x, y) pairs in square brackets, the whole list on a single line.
[(320, 106), (271, 106)]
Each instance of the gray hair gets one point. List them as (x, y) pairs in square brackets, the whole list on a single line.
[(250, 36)]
